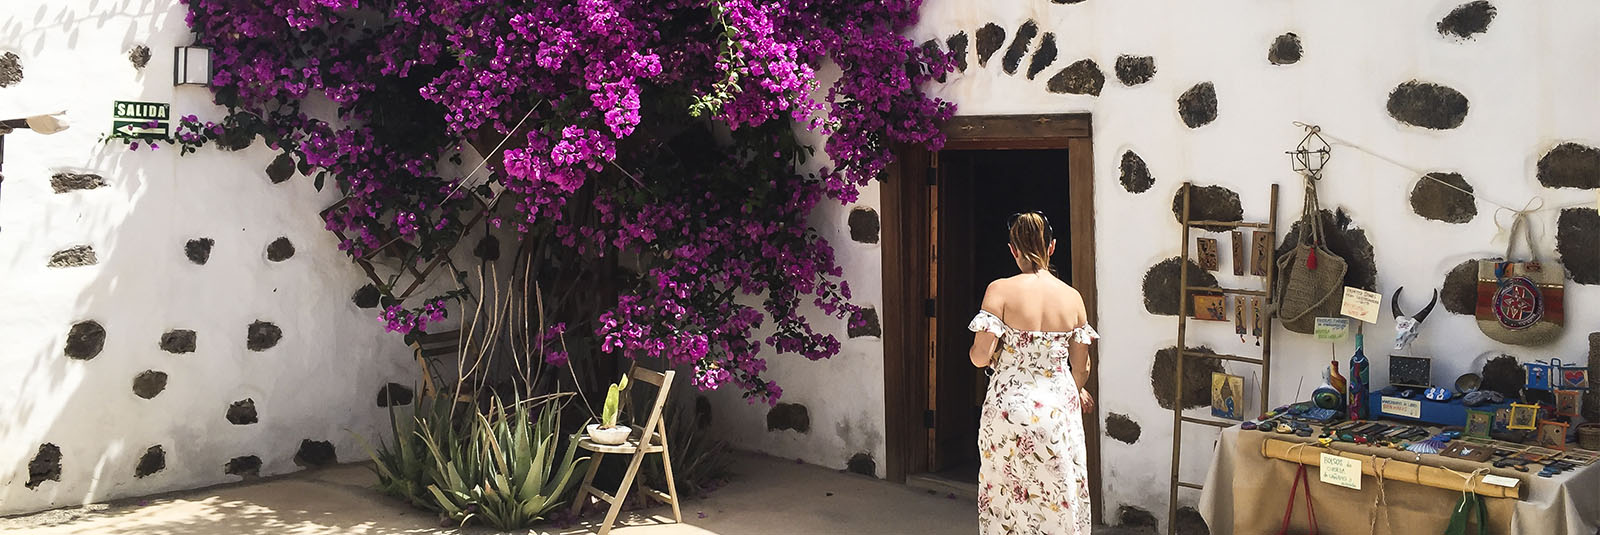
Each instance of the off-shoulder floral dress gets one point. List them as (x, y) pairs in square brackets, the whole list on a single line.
[(1034, 477)]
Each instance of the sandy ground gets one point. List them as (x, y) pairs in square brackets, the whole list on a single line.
[(765, 495)]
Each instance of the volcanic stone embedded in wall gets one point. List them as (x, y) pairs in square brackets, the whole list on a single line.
[(261, 336), (789, 416), (45, 466), (1467, 19), (1019, 46), (1428, 105), (65, 182), (1345, 240), (10, 69), (198, 250), (1190, 522), (1135, 174), (990, 37), (865, 323), (958, 45), (248, 466), (1161, 286), (139, 56), (1578, 243), (178, 341), (1503, 374), (1082, 77), (85, 340), (1570, 165), (1130, 516), (149, 383), (1209, 203), (281, 169), (154, 460), (862, 463), (242, 412), (1044, 56), (315, 453), (1198, 106), (1460, 293), (280, 250), (366, 296), (1441, 202), (1135, 70), (81, 255), (394, 394), (1196, 377), (1121, 427), (487, 249), (1285, 50), (864, 224)]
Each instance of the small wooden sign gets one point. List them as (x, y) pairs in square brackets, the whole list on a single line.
[(1261, 253), (1208, 253), (1227, 395), (1240, 306), (1210, 308), (1238, 253)]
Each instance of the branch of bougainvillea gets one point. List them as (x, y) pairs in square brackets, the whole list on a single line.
[(486, 157)]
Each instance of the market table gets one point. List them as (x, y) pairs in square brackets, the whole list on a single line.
[(1246, 493)]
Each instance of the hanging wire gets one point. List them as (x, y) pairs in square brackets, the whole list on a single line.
[(1534, 205)]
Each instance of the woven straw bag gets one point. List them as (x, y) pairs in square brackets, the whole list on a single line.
[(1520, 301), (1311, 277)]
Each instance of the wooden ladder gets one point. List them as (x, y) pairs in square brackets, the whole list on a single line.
[(1185, 295)]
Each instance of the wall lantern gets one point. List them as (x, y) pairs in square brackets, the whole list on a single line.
[(191, 66)]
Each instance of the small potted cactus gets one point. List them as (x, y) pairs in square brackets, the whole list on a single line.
[(608, 432)]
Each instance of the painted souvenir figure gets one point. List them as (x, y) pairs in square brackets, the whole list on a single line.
[(1033, 330), (1208, 253)]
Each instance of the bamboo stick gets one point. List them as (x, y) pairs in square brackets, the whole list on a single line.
[(1393, 469)]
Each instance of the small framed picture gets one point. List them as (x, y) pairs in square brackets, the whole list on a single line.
[(1551, 435), (1479, 423), (1502, 419), (1568, 402), (1416, 372), (1210, 308), (1523, 416), (1573, 378), (1227, 396), (1538, 374)]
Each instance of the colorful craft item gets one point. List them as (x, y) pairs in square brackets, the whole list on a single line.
[(1538, 375), (1426, 447), (1436, 393), (1327, 398), (1356, 398), (1334, 379)]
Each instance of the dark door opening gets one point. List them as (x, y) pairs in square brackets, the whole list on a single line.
[(977, 190)]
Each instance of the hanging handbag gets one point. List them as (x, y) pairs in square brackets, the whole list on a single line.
[(1310, 277), (1288, 512), (1470, 503), (1519, 302)]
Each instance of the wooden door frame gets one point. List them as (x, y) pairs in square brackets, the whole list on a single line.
[(907, 240)]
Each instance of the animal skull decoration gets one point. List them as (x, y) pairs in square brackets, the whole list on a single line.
[(1405, 327)]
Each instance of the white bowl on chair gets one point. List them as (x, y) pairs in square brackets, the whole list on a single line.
[(609, 436)]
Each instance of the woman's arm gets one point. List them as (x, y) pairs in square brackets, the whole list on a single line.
[(984, 343)]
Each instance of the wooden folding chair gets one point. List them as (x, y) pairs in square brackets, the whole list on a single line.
[(428, 348), (652, 438)]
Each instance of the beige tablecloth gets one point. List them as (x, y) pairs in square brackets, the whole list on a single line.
[(1246, 493)]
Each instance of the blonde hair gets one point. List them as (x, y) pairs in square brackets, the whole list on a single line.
[(1030, 234)]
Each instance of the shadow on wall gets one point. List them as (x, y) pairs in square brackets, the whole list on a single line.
[(162, 330)]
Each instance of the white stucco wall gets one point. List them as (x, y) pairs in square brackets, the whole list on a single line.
[(1531, 84), (320, 382)]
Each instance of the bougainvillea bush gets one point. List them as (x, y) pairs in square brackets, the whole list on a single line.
[(659, 130)]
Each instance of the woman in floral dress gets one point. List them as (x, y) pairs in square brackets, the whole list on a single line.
[(1034, 332)]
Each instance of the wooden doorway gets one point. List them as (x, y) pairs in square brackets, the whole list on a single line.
[(930, 269)]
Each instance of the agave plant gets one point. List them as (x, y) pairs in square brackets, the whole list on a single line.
[(505, 473), (403, 468)]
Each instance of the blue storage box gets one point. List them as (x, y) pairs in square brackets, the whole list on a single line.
[(1416, 409)]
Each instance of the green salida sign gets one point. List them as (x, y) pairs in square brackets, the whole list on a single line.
[(140, 120)]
